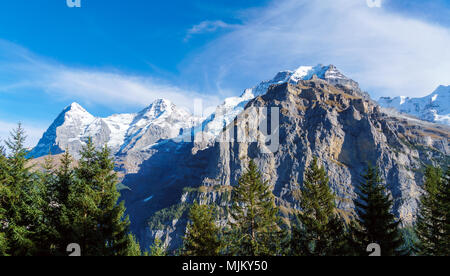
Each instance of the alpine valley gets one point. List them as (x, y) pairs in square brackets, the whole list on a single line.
[(323, 114)]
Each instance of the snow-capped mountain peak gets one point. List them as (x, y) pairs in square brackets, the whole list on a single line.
[(231, 107), (157, 108), (75, 106), (328, 73), (66, 128), (433, 108), (78, 113), (307, 72), (121, 132)]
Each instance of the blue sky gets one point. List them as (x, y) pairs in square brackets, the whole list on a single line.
[(117, 56)]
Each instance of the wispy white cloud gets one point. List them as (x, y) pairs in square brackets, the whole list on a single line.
[(387, 53), (113, 89), (208, 27)]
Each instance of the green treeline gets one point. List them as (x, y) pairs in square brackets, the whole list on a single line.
[(43, 211), (256, 229)]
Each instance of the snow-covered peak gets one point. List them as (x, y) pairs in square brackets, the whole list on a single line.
[(307, 72), (78, 113), (162, 105), (65, 129), (231, 107), (71, 129), (76, 106), (156, 109), (160, 120), (434, 107), (329, 73)]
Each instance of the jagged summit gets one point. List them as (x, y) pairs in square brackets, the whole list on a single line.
[(328, 73), (157, 108), (77, 112), (160, 120), (74, 106), (71, 121)]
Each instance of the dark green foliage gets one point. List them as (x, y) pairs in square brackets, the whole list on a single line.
[(60, 216), (255, 225), (96, 219), (318, 230), (376, 223), (48, 236), (162, 217), (410, 240), (20, 199), (202, 238), (444, 202), (43, 211), (432, 222), (4, 192)]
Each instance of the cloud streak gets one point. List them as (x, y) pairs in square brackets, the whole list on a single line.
[(22, 69), (387, 53), (207, 27)]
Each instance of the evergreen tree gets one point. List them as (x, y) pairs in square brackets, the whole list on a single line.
[(113, 224), (21, 199), (61, 217), (4, 194), (444, 203), (47, 236), (430, 226), (255, 217), (82, 205), (158, 249), (202, 238), (134, 249), (376, 223), (318, 231), (44, 211), (97, 220)]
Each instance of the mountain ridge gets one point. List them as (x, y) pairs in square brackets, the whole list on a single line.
[(74, 125), (434, 107), (122, 132)]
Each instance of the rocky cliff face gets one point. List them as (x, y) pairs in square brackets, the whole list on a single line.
[(334, 122)]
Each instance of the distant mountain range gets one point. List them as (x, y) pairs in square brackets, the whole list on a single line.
[(323, 114), (433, 108), (121, 132), (162, 119)]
